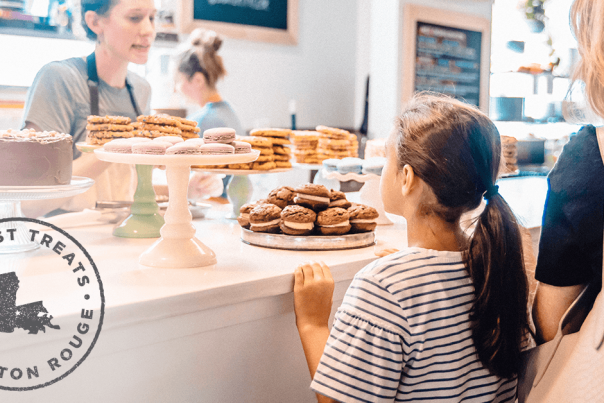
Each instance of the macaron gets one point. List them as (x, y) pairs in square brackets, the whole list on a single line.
[(316, 197), (151, 147), (265, 218), (196, 140), (330, 165), (362, 218), (118, 146), (338, 199), (297, 220), (241, 147), (219, 135), (333, 221), (374, 165), (350, 165), (183, 149), (216, 149), (281, 196), (170, 139)]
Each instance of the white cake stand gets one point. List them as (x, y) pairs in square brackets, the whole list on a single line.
[(370, 192), (10, 206), (178, 247)]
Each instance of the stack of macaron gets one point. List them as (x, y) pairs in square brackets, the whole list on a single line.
[(279, 139), (174, 145), (308, 209), (305, 146), (336, 143), (103, 129)]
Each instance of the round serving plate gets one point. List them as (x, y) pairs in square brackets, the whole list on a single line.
[(77, 185), (308, 243), (242, 171), (184, 160)]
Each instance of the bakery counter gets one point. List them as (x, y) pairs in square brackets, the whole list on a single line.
[(225, 333)]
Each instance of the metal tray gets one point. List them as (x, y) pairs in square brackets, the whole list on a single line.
[(295, 242)]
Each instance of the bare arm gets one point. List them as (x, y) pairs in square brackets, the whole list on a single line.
[(550, 304), (313, 297)]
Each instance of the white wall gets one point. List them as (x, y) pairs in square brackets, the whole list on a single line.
[(387, 51), (319, 73)]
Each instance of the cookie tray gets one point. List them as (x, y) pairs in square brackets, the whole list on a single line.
[(293, 242)]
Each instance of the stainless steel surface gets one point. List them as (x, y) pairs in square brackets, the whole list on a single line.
[(293, 242)]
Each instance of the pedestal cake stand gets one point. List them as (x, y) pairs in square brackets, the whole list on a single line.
[(10, 206), (144, 220), (369, 194), (240, 188), (178, 247)]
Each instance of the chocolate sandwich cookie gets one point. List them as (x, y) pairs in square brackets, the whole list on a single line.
[(333, 221), (265, 218), (362, 218), (281, 196), (316, 197), (297, 220), (338, 199), (244, 214)]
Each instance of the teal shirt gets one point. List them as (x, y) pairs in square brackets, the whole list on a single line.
[(217, 114)]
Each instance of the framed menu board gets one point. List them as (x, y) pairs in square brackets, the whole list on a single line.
[(446, 52), (273, 21)]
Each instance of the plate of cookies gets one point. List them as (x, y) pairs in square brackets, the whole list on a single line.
[(307, 217)]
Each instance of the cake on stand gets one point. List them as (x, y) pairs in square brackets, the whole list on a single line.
[(10, 206), (178, 247), (144, 220), (369, 194), (240, 189)]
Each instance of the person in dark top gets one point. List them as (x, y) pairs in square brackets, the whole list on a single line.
[(570, 249)]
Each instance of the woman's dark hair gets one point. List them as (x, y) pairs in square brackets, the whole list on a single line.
[(200, 56), (456, 150), (101, 7)]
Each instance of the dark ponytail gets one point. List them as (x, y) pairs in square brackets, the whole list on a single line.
[(456, 150)]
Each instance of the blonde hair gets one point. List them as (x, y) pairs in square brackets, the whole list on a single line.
[(587, 22), (200, 56)]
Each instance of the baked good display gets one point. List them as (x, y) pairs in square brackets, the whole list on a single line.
[(265, 160), (297, 220), (265, 218), (336, 143), (219, 135), (30, 158), (333, 221), (509, 153), (276, 136), (281, 196), (362, 218), (338, 199), (316, 197), (103, 129), (305, 146)]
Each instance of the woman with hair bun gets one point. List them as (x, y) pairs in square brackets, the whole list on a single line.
[(199, 67)]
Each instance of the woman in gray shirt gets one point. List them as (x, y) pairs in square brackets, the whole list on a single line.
[(63, 93)]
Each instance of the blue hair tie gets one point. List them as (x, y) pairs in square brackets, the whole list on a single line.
[(492, 191)]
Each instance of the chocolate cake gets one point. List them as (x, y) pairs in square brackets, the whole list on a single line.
[(30, 158)]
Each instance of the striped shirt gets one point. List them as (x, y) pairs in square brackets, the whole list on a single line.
[(403, 334)]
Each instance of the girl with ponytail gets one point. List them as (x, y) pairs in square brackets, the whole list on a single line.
[(445, 318)]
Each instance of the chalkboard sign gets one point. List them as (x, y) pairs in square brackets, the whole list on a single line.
[(262, 20), (446, 52), (447, 61)]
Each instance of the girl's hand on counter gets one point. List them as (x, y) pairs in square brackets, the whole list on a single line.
[(385, 252), (313, 295)]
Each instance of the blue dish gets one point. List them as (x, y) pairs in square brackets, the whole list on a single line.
[(350, 165), (374, 165)]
